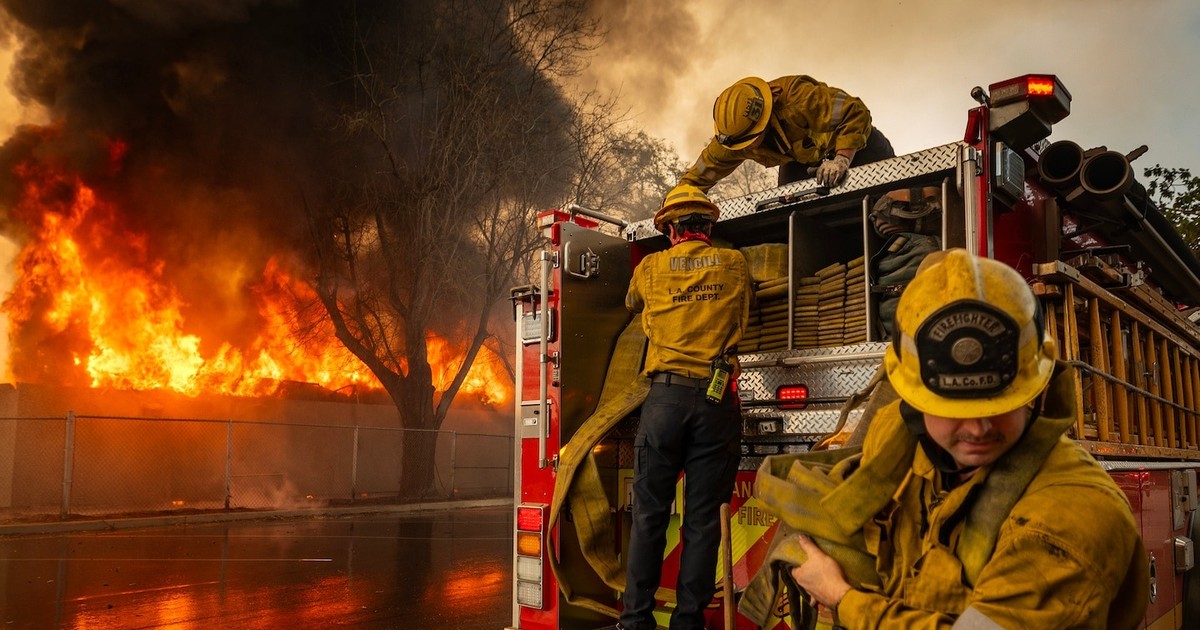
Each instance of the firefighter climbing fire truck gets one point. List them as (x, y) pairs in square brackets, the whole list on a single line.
[(1115, 280)]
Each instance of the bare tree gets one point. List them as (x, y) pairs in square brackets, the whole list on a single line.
[(750, 177), (470, 137), (620, 169)]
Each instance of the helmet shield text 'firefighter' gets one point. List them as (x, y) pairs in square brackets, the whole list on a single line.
[(967, 349), (968, 340)]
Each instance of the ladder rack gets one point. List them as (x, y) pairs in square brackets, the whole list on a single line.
[(1137, 359)]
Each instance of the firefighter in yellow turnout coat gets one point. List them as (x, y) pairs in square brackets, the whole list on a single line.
[(695, 301), (801, 125), (988, 405)]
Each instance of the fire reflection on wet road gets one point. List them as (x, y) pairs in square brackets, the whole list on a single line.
[(447, 570)]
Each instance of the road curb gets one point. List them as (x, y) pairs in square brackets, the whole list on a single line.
[(102, 524)]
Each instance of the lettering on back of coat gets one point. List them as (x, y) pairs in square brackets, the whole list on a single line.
[(686, 263), (696, 292)]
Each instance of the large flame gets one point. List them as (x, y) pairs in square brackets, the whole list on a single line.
[(90, 306)]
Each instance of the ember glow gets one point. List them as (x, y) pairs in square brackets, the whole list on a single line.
[(91, 306)]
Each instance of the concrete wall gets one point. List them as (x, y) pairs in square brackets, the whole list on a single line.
[(150, 451)]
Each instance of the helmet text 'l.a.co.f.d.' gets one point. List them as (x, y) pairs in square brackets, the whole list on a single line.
[(968, 349), (968, 340)]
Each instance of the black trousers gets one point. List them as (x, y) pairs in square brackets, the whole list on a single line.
[(878, 148), (680, 432)]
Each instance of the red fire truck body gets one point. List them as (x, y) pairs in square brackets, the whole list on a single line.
[(1110, 271)]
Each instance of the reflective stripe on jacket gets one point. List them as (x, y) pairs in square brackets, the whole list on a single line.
[(695, 302), (814, 120)]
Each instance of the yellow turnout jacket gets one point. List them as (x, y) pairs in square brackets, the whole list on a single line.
[(809, 121), (1041, 539), (695, 302)]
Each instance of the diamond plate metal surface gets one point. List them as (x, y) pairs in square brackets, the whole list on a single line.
[(806, 424), (835, 372), (860, 178)]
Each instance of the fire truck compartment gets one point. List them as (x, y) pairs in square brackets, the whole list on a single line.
[(820, 328)]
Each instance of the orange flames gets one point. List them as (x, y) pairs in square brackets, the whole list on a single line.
[(90, 306)]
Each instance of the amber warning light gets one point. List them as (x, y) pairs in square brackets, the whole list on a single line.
[(1023, 110), (1039, 86), (1043, 94)]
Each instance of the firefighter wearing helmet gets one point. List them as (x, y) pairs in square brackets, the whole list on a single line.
[(803, 126), (993, 518), (694, 299)]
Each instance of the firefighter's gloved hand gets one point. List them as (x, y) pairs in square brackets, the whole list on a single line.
[(831, 172)]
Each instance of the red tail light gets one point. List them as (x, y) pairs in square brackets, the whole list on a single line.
[(789, 393), (529, 519), (974, 127)]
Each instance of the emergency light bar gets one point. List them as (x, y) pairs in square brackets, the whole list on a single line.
[(1021, 87), (1044, 92), (1022, 110)]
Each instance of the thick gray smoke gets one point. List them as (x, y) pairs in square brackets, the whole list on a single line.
[(215, 102), (649, 48), (203, 128)]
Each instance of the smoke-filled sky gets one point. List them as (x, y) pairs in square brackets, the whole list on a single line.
[(1130, 67)]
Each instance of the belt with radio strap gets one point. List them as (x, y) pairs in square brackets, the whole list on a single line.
[(669, 378)]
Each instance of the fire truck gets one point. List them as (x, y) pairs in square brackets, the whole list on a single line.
[(1114, 278)]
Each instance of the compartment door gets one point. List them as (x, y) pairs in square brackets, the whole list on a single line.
[(594, 274)]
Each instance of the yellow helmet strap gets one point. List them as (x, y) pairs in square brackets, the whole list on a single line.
[(941, 459), (967, 349)]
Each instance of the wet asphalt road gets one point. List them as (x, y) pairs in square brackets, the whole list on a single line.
[(436, 570)]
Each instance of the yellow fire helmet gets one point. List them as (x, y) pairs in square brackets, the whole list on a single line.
[(741, 112), (684, 200), (968, 339)]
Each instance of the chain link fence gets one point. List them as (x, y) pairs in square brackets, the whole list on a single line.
[(76, 466)]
